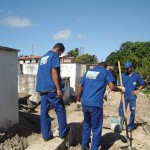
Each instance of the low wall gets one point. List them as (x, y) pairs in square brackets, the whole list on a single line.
[(71, 71), (27, 84)]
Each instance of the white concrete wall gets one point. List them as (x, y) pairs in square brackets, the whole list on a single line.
[(74, 72), (27, 61), (27, 85), (21, 62), (84, 68), (9, 114), (30, 68)]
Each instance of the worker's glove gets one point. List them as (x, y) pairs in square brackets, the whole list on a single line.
[(122, 88), (78, 105)]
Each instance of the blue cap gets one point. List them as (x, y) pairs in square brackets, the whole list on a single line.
[(127, 64)]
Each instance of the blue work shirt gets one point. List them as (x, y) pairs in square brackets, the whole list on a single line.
[(45, 82), (94, 84), (130, 83)]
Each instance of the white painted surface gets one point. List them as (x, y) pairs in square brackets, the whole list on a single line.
[(30, 68), (74, 72), (84, 68), (9, 114), (27, 85)]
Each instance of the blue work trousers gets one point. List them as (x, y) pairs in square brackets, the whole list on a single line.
[(132, 106), (46, 120), (93, 120)]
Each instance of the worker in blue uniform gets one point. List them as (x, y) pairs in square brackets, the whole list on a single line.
[(50, 88), (92, 88), (133, 83)]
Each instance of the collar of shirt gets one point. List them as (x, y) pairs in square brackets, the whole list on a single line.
[(130, 75)]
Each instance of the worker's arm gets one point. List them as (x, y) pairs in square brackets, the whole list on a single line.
[(138, 90), (79, 92), (115, 88), (56, 82)]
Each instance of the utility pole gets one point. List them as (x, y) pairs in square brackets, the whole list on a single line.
[(81, 50), (32, 50), (32, 53)]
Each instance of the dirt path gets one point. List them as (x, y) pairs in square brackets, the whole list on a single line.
[(140, 136), (27, 131)]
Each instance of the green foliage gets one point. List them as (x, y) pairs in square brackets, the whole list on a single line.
[(74, 53), (144, 68), (83, 59), (138, 53), (147, 92), (86, 59)]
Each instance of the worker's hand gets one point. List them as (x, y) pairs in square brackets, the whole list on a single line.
[(78, 105), (59, 93), (122, 88), (135, 92)]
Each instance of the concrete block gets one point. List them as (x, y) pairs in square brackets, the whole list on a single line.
[(54, 144)]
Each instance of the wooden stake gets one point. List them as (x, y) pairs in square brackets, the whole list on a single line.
[(124, 106)]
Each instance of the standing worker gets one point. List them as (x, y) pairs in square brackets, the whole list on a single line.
[(92, 88), (131, 80), (50, 88)]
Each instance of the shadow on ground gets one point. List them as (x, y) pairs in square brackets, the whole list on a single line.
[(28, 125), (109, 139)]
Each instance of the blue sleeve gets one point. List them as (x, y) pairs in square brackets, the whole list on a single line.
[(109, 77), (140, 80), (55, 62)]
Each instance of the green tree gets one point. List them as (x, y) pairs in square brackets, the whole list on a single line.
[(144, 70), (138, 53), (86, 59), (74, 53)]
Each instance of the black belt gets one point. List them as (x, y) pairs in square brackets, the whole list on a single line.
[(46, 92)]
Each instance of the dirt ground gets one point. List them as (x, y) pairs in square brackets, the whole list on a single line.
[(27, 130), (140, 137)]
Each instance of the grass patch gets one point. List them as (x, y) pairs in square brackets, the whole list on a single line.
[(146, 91)]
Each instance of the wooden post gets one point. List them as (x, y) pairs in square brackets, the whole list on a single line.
[(123, 102)]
